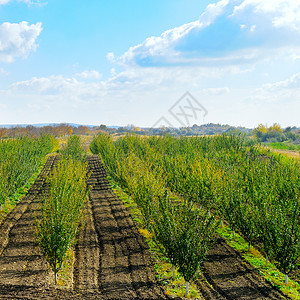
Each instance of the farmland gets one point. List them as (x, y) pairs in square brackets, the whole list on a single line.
[(183, 193), (254, 191)]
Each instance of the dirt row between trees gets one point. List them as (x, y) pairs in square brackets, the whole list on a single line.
[(125, 269), (231, 277), (112, 260)]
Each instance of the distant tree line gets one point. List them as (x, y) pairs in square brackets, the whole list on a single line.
[(275, 133), (262, 133)]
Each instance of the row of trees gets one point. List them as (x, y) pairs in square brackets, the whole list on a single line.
[(182, 231), (62, 205), (20, 158), (274, 133), (255, 191)]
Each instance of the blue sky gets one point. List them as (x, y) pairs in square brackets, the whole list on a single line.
[(128, 62)]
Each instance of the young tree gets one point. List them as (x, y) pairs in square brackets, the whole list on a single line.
[(61, 212), (184, 234)]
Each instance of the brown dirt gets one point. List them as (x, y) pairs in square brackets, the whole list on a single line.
[(125, 266), (231, 277), (20, 261)]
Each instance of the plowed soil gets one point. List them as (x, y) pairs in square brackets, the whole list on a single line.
[(124, 269), (231, 277), (112, 260)]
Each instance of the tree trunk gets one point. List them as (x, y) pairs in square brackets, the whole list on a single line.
[(286, 279), (173, 269)]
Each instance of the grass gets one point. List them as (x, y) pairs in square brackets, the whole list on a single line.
[(283, 146), (258, 261)]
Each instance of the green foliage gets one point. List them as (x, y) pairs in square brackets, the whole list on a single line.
[(20, 158), (255, 191), (74, 149), (274, 134), (183, 233), (62, 209)]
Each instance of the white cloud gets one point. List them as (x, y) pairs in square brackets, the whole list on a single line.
[(292, 82), (89, 75), (164, 45), (3, 72), (59, 86), (29, 2), (129, 81), (110, 56), (230, 32), (18, 40), (216, 91), (284, 13)]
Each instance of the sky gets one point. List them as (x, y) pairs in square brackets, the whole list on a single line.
[(150, 63)]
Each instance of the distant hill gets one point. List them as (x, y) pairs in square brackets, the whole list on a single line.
[(51, 124)]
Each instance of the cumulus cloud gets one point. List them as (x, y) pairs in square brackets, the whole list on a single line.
[(283, 13), (18, 40), (228, 32), (164, 45)]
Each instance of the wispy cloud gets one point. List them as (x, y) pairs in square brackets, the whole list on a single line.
[(3, 72), (293, 82), (89, 74), (29, 2)]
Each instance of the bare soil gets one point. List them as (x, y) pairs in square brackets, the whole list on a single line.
[(125, 268), (231, 277)]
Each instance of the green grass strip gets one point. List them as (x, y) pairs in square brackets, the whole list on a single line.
[(258, 261)]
